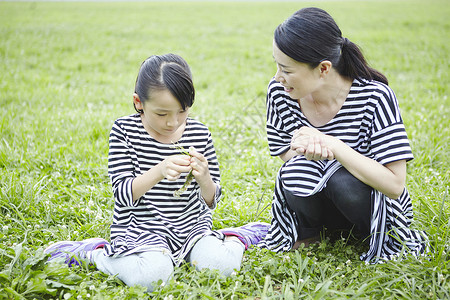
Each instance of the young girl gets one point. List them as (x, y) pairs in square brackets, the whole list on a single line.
[(163, 194), (336, 124)]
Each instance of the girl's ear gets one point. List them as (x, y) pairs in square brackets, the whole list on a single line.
[(137, 102)]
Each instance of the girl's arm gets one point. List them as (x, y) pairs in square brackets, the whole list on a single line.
[(170, 168), (200, 170)]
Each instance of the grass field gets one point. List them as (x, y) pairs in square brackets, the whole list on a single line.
[(67, 71)]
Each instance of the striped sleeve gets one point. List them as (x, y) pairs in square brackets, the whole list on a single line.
[(278, 136), (120, 166), (213, 165), (389, 140)]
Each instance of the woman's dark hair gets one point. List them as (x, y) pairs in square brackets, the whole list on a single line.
[(165, 72), (311, 36)]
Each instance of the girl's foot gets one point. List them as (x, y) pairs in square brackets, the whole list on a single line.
[(249, 234), (72, 252)]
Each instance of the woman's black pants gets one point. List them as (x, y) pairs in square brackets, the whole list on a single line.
[(343, 204)]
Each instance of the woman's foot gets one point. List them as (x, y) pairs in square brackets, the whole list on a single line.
[(306, 242)]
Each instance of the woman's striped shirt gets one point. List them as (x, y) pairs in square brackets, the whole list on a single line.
[(369, 122), (157, 220)]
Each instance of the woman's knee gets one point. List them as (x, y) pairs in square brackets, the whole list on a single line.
[(346, 190), (214, 254)]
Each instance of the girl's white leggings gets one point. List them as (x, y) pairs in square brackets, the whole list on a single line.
[(147, 268)]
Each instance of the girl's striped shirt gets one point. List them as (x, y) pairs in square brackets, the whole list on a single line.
[(157, 220)]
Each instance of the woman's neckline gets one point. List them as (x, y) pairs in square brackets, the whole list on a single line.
[(313, 118)]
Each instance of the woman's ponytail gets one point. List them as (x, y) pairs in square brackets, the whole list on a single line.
[(353, 64)]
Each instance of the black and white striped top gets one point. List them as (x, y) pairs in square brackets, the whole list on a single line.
[(157, 220), (370, 123)]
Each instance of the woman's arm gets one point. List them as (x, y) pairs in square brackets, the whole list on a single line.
[(389, 179)]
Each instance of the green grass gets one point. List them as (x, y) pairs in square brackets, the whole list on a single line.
[(67, 71)]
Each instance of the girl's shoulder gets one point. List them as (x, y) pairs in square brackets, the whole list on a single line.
[(195, 125), (130, 119)]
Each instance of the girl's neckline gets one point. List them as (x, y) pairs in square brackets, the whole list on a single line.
[(151, 137)]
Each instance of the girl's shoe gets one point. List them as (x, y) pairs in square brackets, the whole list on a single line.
[(73, 252), (249, 234)]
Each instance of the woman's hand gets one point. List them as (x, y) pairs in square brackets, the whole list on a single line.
[(311, 143)]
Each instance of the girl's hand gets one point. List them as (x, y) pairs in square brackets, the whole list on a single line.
[(311, 143), (173, 166), (199, 165)]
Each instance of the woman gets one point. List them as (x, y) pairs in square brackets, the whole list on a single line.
[(336, 124)]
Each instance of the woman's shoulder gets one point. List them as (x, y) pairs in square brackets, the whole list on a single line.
[(377, 95), (277, 96), (370, 86), (275, 87)]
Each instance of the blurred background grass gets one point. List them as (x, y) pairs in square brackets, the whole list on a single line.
[(68, 71)]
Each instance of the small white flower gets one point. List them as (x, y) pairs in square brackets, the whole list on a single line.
[(348, 262), (300, 280), (92, 287)]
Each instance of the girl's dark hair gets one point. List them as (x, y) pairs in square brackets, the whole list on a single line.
[(165, 72), (311, 36)]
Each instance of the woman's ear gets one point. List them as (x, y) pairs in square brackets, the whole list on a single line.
[(325, 67), (137, 103)]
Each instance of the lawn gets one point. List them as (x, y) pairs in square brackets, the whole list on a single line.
[(67, 71)]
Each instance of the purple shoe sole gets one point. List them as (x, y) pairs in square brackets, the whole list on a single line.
[(73, 251), (249, 234)]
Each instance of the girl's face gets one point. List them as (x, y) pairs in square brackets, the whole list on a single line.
[(163, 117), (298, 79)]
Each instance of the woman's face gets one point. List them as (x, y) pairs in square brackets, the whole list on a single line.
[(163, 116), (298, 79)]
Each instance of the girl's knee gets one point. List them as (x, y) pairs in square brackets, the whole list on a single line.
[(214, 254), (146, 269)]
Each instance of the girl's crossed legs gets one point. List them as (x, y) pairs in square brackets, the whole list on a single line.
[(147, 268)]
